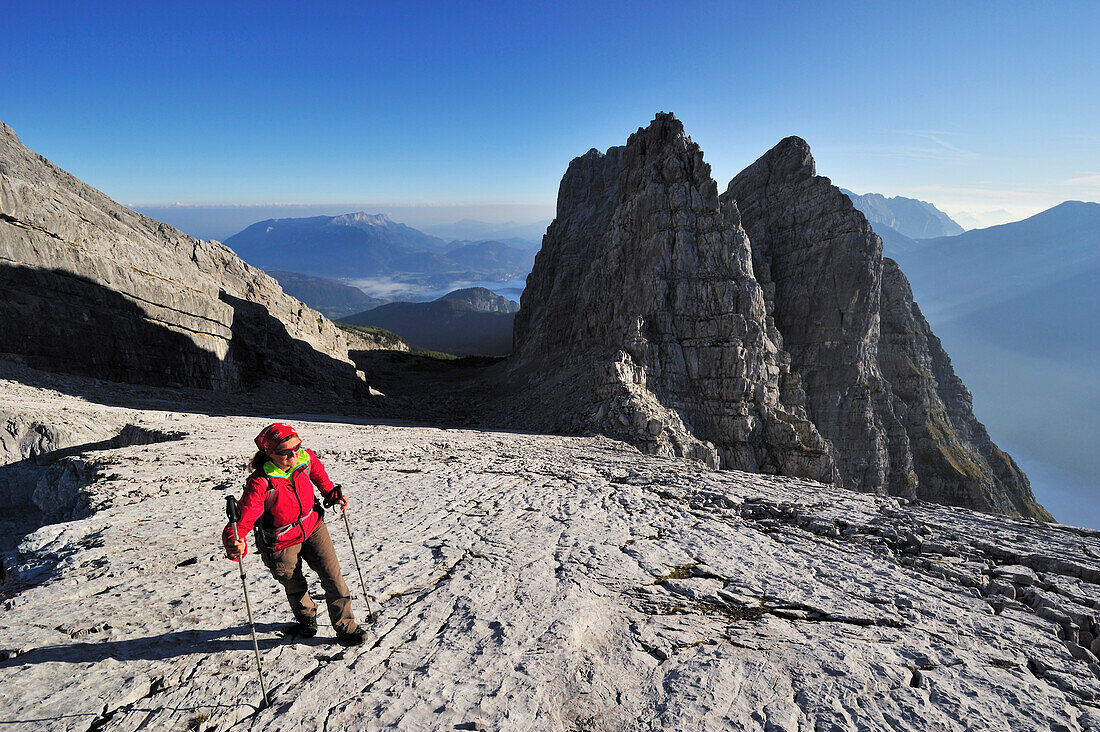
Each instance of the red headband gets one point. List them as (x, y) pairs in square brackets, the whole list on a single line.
[(272, 435)]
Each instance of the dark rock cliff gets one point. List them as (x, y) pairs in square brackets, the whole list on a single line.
[(642, 319), (820, 265), (954, 459), (879, 386)]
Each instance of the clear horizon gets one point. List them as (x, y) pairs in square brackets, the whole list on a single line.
[(973, 109)]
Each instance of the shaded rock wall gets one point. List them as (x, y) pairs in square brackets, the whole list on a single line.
[(95, 288), (879, 386), (821, 268), (954, 459)]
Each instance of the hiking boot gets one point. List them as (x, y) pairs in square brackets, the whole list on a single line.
[(352, 638), (307, 627)]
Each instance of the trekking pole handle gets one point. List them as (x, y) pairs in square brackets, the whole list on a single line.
[(338, 491), (233, 512)]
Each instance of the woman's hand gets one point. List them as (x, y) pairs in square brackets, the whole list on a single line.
[(235, 549), (336, 498)]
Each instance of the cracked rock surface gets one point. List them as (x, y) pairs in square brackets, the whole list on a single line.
[(540, 582)]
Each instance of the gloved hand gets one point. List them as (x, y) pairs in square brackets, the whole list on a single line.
[(234, 548)]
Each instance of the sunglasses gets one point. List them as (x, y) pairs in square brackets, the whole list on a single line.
[(288, 453)]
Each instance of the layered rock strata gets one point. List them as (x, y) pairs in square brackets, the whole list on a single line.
[(752, 330), (953, 457), (820, 265), (92, 287), (879, 386), (641, 317)]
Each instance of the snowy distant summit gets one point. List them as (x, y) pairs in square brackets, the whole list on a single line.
[(364, 220)]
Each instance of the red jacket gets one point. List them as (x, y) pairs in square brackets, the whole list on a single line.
[(287, 497)]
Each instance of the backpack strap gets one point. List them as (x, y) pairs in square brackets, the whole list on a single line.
[(264, 530)]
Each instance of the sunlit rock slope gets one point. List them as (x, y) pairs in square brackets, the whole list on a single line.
[(91, 287)]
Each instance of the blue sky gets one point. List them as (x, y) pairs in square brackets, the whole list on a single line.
[(974, 106)]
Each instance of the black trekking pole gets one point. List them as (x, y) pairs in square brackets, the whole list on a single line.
[(354, 555), (234, 514)]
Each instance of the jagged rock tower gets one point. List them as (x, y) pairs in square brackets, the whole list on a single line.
[(820, 265), (778, 346), (879, 386), (641, 317)]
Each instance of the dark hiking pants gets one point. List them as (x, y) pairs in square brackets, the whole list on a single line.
[(320, 555)]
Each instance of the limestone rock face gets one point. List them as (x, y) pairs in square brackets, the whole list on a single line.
[(879, 386), (821, 268), (953, 457), (537, 582), (641, 317), (92, 287)]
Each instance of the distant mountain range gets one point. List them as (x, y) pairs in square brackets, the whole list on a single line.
[(983, 219), (955, 275), (469, 322), (1016, 306), (220, 222), (471, 229), (362, 245), (907, 216)]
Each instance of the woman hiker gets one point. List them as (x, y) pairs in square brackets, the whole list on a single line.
[(278, 500)]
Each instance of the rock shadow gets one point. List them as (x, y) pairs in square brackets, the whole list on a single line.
[(45, 487), (58, 321), (159, 647), (62, 323)]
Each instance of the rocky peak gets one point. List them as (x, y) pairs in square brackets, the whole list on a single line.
[(745, 330), (879, 386), (641, 317), (821, 266)]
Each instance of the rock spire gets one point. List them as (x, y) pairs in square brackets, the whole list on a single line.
[(642, 318), (879, 386), (760, 330)]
